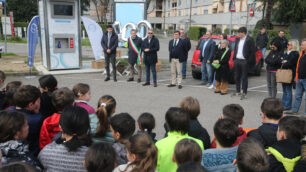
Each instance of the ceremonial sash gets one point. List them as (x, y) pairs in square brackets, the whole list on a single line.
[(136, 50)]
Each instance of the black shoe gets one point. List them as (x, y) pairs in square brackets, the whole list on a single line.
[(217, 92), (139, 80), (155, 84), (146, 84), (184, 77), (223, 94), (106, 79), (171, 85), (130, 79), (115, 80), (180, 87)]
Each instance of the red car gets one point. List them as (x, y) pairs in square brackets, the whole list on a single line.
[(196, 64)]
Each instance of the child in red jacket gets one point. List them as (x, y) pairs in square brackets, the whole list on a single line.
[(236, 113), (60, 98)]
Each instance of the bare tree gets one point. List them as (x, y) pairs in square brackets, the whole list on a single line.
[(104, 4), (96, 7)]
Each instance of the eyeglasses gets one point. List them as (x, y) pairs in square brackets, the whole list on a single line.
[(150, 33), (289, 44)]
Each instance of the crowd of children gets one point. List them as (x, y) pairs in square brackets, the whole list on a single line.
[(55, 130)]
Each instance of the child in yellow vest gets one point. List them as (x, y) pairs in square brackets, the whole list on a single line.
[(285, 153)]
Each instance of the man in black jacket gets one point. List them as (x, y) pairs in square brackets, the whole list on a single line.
[(262, 40), (281, 38), (150, 46), (188, 44), (109, 44), (134, 45), (177, 48), (244, 58)]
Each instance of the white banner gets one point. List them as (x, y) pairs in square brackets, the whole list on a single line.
[(95, 33)]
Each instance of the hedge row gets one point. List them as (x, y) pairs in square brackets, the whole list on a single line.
[(195, 32)]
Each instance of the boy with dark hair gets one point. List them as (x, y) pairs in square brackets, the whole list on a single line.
[(221, 158), (251, 157), (236, 113), (286, 152), (123, 127), (191, 167), (27, 100), (60, 99), (2, 93), (271, 112), (177, 121), (48, 84)]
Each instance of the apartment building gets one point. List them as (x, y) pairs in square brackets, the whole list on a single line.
[(212, 14)]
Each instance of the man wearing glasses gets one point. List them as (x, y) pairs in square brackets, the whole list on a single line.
[(150, 46)]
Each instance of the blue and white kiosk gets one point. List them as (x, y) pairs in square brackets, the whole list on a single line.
[(60, 33)]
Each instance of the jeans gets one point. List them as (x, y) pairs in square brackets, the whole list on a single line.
[(241, 75), (272, 85), (287, 96), (263, 51), (153, 68), (184, 68), (112, 58), (300, 90), (207, 70)]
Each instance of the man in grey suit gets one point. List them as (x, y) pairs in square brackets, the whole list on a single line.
[(207, 48)]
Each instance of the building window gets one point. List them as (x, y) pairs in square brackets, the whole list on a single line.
[(168, 3), (168, 14), (179, 2), (174, 4), (179, 13), (205, 11), (195, 10)]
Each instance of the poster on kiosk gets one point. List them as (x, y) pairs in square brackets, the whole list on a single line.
[(60, 33)]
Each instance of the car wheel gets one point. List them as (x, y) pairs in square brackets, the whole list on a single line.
[(196, 75)]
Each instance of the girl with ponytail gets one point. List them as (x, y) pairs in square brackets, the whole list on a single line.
[(68, 152), (141, 153), (99, 122)]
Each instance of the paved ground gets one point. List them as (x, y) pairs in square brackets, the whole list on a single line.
[(135, 99)]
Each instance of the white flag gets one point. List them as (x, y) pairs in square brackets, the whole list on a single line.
[(95, 33)]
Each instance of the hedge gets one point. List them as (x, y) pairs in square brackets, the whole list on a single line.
[(195, 32), (272, 34), (227, 31), (21, 24)]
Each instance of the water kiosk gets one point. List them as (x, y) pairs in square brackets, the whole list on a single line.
[(60, 33)]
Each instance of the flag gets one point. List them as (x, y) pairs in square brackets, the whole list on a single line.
[(32, 39), (232, 6), (136, 50), (95, 33)]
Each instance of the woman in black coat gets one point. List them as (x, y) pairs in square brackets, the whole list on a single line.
[(222, 73), (274, 62), (289, 62)]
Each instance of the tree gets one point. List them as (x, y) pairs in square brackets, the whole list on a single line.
[(23, 10), (289, 11), (84, 5)]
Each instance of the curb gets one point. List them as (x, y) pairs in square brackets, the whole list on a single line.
[(21, 73)]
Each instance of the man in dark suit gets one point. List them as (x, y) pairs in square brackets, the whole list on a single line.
[(177, 49), (150, 46), (244, 58), (184, 63), (207, 48), (134, 45), (110, 43), (282, 39)]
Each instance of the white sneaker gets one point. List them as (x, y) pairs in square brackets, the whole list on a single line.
[(211, 86)]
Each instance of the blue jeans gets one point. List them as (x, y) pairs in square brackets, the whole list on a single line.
[(263, 51), (300, 90), (153, 68), (184, 68), (287, 96), (206, 70)]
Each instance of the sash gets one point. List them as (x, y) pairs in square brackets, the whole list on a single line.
[(136, 50)]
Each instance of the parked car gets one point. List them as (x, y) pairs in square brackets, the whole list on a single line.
[(196, 64)]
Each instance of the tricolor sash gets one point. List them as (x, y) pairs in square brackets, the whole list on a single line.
[(136, 50)]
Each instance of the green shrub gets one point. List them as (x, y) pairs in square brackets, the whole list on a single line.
[(195, 32), (218, 31), (227, 31), (21, 24), (272, 34)]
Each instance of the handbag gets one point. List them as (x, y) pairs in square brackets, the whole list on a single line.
[(284, 75), (217, 66)]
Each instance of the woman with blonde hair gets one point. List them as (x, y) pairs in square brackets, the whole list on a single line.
[(289, 62)]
